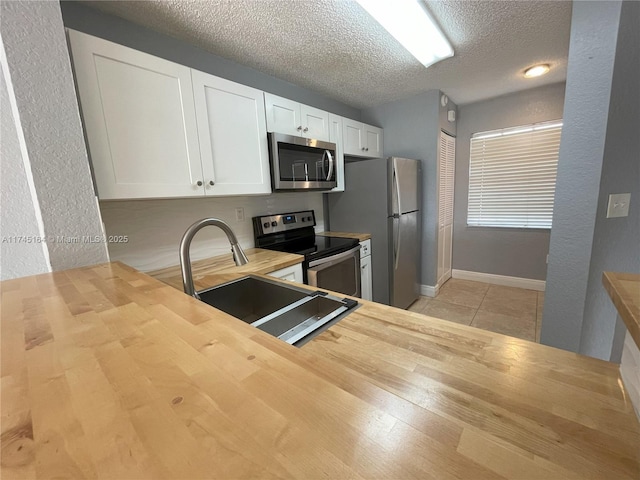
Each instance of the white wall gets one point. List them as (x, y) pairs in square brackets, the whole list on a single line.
[(18, 205), (514, 252), (155, 227), (37, 71)]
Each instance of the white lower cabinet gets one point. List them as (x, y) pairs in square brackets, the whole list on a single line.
[(366, 276), (292, 273)]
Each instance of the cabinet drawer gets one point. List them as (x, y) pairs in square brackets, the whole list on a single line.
[(292, 273), (365, 248)]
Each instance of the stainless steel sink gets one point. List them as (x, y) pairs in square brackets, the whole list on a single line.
[(284, 311)]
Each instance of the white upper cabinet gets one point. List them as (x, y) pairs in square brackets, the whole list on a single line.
[(361, 140), (293, 118), (335, 136), (233, 136), (140, 121), (158, 129)]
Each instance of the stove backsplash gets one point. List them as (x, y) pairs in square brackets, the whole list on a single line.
[(154, 228)]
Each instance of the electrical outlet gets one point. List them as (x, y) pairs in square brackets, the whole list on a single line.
[(618, 205), (240, 214)]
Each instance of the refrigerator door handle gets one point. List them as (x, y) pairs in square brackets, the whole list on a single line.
[(396, 240), (396, 186)]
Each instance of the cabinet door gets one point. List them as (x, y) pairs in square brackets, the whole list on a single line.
[(373, 143), (315, 123), (140, 121), (233, 136), (352, 137), (283, 115), (366, 278), (335, 136)]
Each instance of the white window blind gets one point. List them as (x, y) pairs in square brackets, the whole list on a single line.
[(512, 176)]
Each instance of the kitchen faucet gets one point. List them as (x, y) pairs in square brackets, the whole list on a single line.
[(185, 258)]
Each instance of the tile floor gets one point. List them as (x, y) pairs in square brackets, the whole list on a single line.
[(511, 311)]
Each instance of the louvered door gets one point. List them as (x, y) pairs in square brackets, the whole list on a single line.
[(446, 178)]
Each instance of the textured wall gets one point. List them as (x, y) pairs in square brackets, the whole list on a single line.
[(616, 241), (411, 129), (155, 227), (82, 18), (515, 252), (40, 71), (594, 32), (18, 208)]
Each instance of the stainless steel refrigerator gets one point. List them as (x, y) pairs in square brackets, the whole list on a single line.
[(382, 197)]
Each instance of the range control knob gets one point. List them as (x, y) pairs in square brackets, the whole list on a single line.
[(309, 218), (266, 225), (304, 219), (274, 224)]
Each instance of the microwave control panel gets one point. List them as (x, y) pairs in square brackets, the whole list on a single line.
[(283, 222)]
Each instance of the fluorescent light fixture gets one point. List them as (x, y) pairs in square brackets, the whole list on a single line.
[(536, 70), (410, 23)]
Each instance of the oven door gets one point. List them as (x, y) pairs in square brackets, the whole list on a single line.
[(339, 273)]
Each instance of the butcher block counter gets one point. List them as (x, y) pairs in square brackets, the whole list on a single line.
[(110, 373), (260, 261), (361, 237)]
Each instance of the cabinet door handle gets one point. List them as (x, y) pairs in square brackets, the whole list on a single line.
[(363, 149), (199, 183), (306, 129), (367, 149), (211, 182), (299, 128)]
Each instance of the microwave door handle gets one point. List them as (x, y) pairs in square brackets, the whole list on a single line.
[(330, 157)]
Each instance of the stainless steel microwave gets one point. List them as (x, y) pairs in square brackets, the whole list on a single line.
[(299, 163)]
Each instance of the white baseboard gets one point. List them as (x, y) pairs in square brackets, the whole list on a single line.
[(429, 290), (503, 280)]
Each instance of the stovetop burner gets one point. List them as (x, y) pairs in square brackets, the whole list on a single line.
[(294, 233)]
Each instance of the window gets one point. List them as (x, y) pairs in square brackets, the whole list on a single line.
[(512, 176)]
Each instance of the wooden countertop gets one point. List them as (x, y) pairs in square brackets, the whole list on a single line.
[(260, 262), (361, 237), (624, 290), (110, 373)]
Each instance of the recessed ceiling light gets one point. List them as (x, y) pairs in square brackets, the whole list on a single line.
[(412, 26), (536, 70)]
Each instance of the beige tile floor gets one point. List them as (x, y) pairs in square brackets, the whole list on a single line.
[(511, 311)]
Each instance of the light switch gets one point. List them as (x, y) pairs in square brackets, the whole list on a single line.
[(618, 205)]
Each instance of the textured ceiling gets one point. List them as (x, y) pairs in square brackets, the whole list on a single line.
[(335, 48)]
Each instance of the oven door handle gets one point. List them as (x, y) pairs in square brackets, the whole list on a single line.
[(335, 258)]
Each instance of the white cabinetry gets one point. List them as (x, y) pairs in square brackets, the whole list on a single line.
[(233, 136), (149, 139), (293, 118), (366, 278), (140, 121), (292, 273), (361, 140), (446, 178), (335, 136)]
